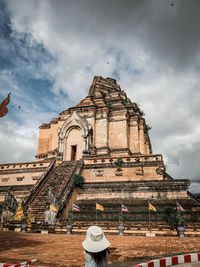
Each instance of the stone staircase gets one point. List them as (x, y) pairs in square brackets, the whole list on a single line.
[(58, 178)]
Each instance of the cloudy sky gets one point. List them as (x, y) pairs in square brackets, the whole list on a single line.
[(50, 51)]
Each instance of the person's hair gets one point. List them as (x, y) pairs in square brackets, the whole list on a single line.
[(99, 256)]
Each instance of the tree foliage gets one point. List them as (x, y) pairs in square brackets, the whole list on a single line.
[(172, 217)]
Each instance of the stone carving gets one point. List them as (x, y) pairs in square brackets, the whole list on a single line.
[(19, 213), (51, 208), (50, 217), (10, 202), (119, 172), (51, 198), (9, 208), (99, 173), (160, 170), (140, 171), (6, 216)]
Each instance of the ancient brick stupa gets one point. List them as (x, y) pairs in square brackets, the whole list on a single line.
[(104, 139)]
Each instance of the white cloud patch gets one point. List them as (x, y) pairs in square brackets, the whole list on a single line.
[(17, 143)]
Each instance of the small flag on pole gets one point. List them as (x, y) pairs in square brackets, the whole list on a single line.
[(75, 207), (124, 208), (29, 208), (179, 207), (99, 207), (151, 207), (53, 208)]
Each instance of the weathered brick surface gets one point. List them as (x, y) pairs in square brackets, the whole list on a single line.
[(57, 180), (20, 177), (66, 250), (115, 121)]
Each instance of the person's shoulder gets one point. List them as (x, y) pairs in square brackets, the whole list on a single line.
[(88, 256), (89, 262)]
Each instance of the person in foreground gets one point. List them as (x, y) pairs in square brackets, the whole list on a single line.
[(96, 248)]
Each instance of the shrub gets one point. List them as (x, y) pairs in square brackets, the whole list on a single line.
[(172, 217), (109, 106), (119, 162), (103, 93), (79, 180), (136, 108), (137, 159)]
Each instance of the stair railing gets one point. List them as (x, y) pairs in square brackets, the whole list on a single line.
[(36, 188), (68, 189)]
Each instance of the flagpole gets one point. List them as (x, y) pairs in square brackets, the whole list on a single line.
[(122, 214), (96, 213), (149, 217), (72, 213)]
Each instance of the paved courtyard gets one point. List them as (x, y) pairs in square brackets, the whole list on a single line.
[(66, 250)]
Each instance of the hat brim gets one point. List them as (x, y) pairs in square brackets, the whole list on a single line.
[(93, 246)]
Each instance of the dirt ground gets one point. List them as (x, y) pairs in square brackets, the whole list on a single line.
[(66, 250)]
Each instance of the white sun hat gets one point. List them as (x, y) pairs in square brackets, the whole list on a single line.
[(95, 240)]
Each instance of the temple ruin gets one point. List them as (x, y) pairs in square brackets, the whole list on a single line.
[(104, 139)]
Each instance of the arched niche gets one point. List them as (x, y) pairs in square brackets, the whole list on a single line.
[(74, 137), (73, 144)]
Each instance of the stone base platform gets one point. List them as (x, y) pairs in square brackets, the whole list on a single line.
[(138, 210)]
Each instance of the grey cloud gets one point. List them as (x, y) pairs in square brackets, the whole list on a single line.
[(183, 160), (169, 34), (194, 187)]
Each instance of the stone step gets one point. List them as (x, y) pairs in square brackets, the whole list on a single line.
[(57, 179)]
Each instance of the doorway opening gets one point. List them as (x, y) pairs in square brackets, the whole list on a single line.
[(73, 152)]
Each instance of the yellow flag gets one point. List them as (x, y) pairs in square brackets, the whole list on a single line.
[(53, 208), (151, 207), (99, 207)]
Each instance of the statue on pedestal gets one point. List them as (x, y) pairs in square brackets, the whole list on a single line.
[(9, 208), (6, 216), (19, 213), (51, 209)]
